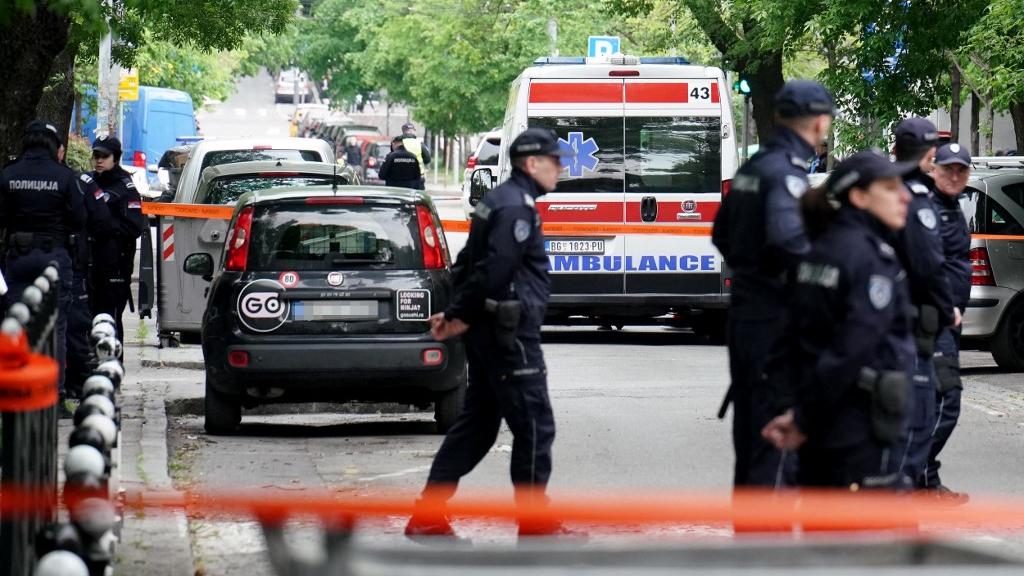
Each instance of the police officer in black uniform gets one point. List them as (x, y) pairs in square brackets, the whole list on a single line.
[(760, 233), (952, 169), (115, 252), (401, 168), (851, 322), (80, 359), (41, 202), (501, 290), (920, 248)]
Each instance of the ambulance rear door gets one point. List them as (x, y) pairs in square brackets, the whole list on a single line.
[(586, 114), (679, 149)]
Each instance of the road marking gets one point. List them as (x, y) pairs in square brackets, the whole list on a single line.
[(398, 474)]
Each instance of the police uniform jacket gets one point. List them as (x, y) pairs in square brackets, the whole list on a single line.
[(849, 311), (759, 229), (98, 222), (956, 247), (115, 251), (504, 258), (43, 197), (920, 248), (401, 168)]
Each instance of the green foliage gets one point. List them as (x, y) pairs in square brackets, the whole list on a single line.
[(994, 54), (79, 153), (203, 75)]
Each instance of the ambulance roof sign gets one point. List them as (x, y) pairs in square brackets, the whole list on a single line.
[(598, 46)]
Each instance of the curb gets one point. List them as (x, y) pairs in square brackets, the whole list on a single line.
[(181, 364), (194, 407)]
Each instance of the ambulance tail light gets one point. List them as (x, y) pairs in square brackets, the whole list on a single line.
[(726, 186), (139, 159), (238, 242), (981, 268), (471, 163), (433, 254)]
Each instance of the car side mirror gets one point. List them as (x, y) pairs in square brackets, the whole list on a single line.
[(480, 182), (199, 264)]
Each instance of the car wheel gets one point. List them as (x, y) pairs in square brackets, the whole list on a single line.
[(1008, 343), (223, 412), (448, 406)]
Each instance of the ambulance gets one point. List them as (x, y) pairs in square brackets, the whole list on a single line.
[(628, 227)]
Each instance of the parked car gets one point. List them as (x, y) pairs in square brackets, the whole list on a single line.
[(374, 154), (288, 80), (485, 156), (994, 206), (154, 123), (325, 295), (300, 114)]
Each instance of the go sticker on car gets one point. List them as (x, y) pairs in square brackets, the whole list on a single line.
[(260, 306), (413, 305)]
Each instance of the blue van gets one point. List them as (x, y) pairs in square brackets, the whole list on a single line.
[(154, 123)]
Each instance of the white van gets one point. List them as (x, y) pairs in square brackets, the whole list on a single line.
[(629, 226)]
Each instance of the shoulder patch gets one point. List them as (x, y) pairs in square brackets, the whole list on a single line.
[(521, 230), (800, 163), (135, 205), (746, 183), (879, 291), (886, 250), (796, 185), (528, 200), (85, 178), (927, 218), (918, 188), (98, 194)]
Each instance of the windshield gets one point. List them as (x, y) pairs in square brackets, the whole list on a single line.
[(218, 157), (228, 189)]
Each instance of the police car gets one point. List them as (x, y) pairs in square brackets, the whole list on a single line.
[(629, 226), (324, 296)]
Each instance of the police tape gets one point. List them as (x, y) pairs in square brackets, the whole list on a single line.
[(188, 210), (746, 510)]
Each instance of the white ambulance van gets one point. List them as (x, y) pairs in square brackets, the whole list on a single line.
[(629, 226)]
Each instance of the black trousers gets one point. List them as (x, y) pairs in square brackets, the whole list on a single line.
[(111, 295), (503, 385), (947, 406), (81, 360), (758, 463)]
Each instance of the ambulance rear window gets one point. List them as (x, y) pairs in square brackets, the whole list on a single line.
[(673, 154), (599, 166)]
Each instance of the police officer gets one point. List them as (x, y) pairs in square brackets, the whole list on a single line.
[(499, 301), (115, 252), (851, 322), (41, 202), (401, 168), (760, 233), (920, 248), (952, 169), (417, 148), (80, 358)]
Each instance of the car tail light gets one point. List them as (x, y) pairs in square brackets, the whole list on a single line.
[(238, 358), (981, 269), (334, 200), (728, 282), (433, 255), (371, 162), (262, 147), (471, 163), (238, 242), (139, 159), (433, 357), (726, 186)]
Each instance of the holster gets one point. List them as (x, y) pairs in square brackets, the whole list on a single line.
[(947, 371), (506, 320), (21, 242), (926, 328), (889, 390)]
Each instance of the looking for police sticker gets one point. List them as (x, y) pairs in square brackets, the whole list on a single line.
[(521, 230), (879, 291), (927, 218), (261, 307)]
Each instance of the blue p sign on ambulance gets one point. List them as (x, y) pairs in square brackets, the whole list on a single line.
[(602, 46)]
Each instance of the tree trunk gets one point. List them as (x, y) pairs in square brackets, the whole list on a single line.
[(28, 47), (975, 124), (990, 147), (765, 81), (1017, 114), (58, 98), (954, 110)]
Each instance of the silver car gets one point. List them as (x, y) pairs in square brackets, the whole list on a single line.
[(994, 206)]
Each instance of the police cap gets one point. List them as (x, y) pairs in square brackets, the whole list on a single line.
[(863, 168), (108, 146), (537, 142), (916, 135), (953, 154), (801, 98), (408, 128), (42, 126)]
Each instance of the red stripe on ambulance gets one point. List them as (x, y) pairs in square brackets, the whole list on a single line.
[(657, 93), (575, 93)]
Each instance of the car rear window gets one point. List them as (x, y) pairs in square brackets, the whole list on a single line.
[(488, 153), (985, 215), (229, 189), (322, 237), (218, 157), (673, 154)]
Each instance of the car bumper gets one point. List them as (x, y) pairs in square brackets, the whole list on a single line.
[(984, 310), (364, 359)]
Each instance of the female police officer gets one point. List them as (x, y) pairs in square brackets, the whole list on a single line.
[(852, 331)]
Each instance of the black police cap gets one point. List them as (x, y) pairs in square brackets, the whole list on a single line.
[(107, 145), (916, 135), (863, 168), (537, 142), (42, 126), (953, 153), (801, 98)]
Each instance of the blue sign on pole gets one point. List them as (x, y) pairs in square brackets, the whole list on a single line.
[(602, 46)]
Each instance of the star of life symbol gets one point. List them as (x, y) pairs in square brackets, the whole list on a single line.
[(583, 154)]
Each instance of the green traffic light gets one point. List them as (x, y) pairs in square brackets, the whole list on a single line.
[(744, 86)]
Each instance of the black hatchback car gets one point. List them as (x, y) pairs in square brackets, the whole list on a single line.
[(325, 296)]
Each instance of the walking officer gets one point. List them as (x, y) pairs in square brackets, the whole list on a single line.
[(500, 295), (850, 319), (760, 233), (41, 202), (952, 169), (115, 252), (920, 248)]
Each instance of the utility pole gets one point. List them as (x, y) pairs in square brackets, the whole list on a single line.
[(672, 26), (106, 85), (553, 35), (746, 127)]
